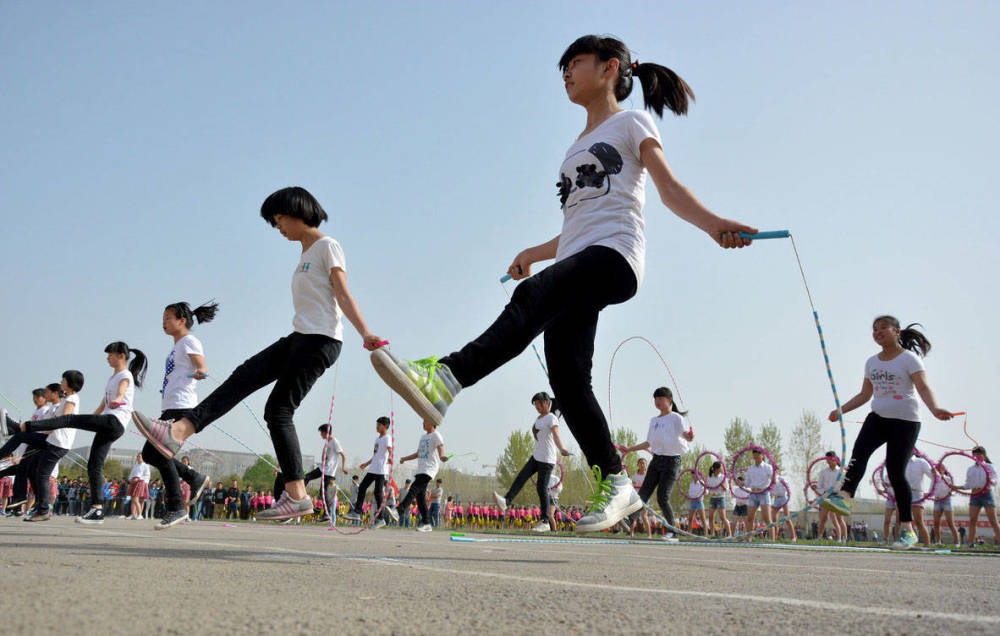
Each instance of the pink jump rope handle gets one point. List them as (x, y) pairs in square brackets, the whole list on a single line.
[(381, 343)]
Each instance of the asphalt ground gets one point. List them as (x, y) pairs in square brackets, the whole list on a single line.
[(123, 577)]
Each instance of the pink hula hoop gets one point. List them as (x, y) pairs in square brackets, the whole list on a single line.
[(810, 488), (956, 489), (812, 483), (916, 502), (694, 476), (702, 478), (774, 473)]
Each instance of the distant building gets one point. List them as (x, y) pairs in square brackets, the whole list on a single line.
[(215, 463)]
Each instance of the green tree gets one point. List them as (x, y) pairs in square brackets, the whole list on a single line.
[(627, 437), (113, 469), (260, 476), (520, 445), (769, 437), (738, 435), (806, 445)]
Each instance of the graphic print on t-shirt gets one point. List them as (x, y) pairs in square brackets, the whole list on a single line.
[(886, 383), (170, 369), (589, 169)]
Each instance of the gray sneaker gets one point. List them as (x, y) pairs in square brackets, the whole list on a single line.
[(426, 385), (286, 508), (158, 434), (614, 500), (424, 527), (392, 512), (379, 523)]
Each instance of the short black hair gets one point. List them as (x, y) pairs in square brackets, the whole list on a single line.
[(295, 202), (74, 379), (324, 428), (384, 421), (830, 454)]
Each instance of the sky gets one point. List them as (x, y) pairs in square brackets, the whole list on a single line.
[(140, 140)]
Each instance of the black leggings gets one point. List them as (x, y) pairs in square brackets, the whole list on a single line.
[(368, 480), (661, 475), (171, 470), (419, 490), (562, 301), (107, 429), (544, 471), (899, 437), (39, 469), (293, 363)]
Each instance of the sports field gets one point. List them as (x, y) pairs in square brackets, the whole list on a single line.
[(124, 577)]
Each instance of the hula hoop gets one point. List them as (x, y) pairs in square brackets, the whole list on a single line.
[(684, 491), (810, 489), (812, 483), (880, 472), (982, 465), (774, 474), (562, 475), (788, 491), (701, 477)]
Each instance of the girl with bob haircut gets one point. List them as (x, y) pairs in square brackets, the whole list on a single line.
[(320, 297), (599, 260), (894, 376), (545, 430), (108, 422)]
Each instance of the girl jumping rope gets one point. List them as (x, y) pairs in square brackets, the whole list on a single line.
[(599, 261)]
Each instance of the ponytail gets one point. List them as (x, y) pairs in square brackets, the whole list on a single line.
[(661, 87), (203, 313), (909, 338), (138, 365)]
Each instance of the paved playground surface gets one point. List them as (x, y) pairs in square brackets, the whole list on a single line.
[(209, 577)]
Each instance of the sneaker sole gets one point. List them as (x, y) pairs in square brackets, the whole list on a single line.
[(164, 526), (394, 377), (281, 517), (163, 450), (196, 496), (89, 522), (607, 523), (829, 507)]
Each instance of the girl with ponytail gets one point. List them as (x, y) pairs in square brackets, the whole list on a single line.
[(108, 422), (599, 260), (894, 377)]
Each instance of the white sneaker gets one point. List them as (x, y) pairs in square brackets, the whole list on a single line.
[(670, 538), (425, 527), (379, 523), (392, 513), (541, 526), (614, 500), (500, 500)]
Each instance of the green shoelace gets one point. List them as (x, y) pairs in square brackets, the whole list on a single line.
[(600, 497)]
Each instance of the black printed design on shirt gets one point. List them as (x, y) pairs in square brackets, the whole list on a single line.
[(590, 169)]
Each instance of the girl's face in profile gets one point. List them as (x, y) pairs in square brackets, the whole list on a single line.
[(292, 228)]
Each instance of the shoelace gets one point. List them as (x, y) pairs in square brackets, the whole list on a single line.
[(602, 495), (429, 366)]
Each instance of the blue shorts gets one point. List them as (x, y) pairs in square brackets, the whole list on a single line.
[(944, 504), (758, 500), (984, 500), (697, 504), (717, 503), (779, 503)]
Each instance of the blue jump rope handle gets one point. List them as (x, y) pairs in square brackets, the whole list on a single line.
[(774, 234), (505, 278)]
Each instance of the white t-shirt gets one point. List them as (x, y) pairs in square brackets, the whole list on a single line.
[(123, 412), (975, 478), (778, 491), (602, 189), (740, 493), (827, 478), (696, 490), (758, 477), (40, 412), (545, 445), (179, 391), (894, 396), (637, 480), (316, 309), (380, 456), (555, 485), (916, 469), (141, 471), (664, 435), (941, 491), (715, 485), (333, 451), (428, 461), (63, 437)]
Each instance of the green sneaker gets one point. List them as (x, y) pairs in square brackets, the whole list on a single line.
[(837, 504), (426, 385), (907, 539)]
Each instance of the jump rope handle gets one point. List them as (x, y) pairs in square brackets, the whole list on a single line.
[(773, 234), (507, 277), (381, 343)]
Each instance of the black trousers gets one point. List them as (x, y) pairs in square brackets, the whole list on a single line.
[(368, 480), (293, 363), (39, 469), (562, 301), (171, 470), (661, 475), (544, 471), (899, 437), (417, 489), (107, 429)]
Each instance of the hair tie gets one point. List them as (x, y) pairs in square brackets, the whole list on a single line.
[(635, 65)]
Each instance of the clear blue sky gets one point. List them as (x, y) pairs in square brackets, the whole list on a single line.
[(139, 142)]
